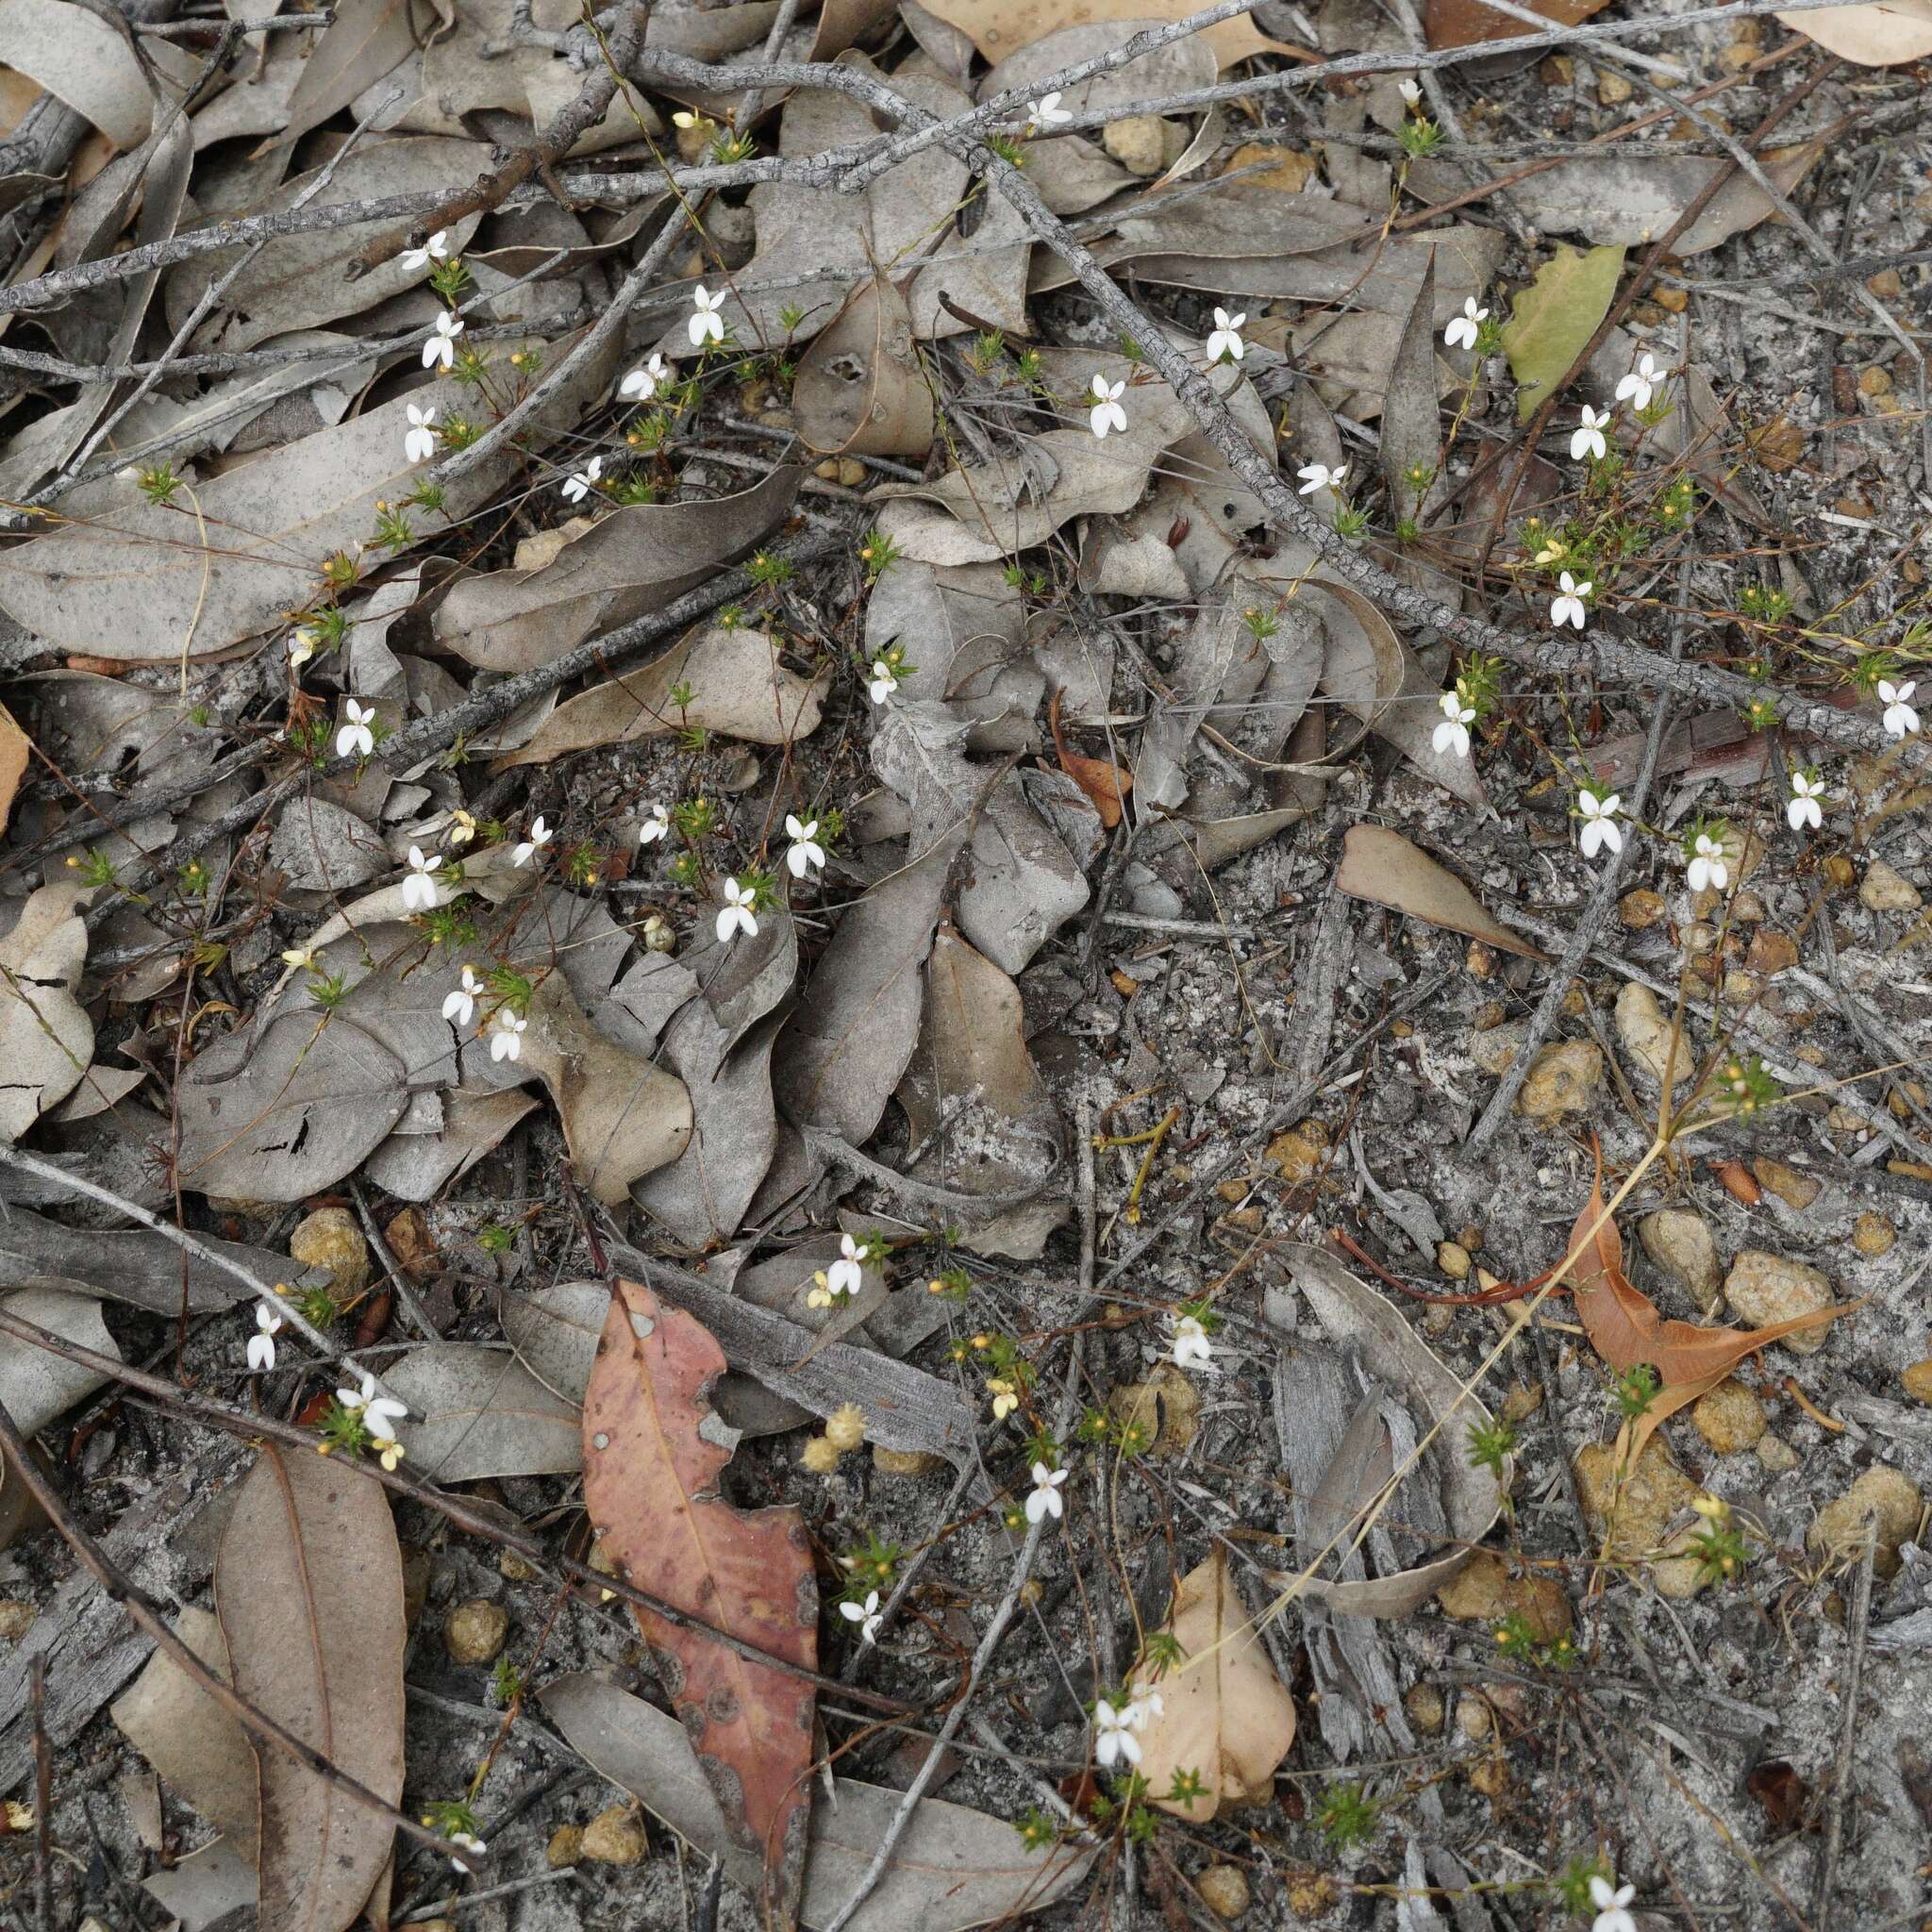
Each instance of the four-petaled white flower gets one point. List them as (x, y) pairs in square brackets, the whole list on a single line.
[(460, 1003), (1708, 870), (884, 681), (804, 849), (541, 835), (1461, 332), (356, 734), (737, 915), (1227, 338), (303, 645), (261, 1345), (441, 346), (846, 1276), (704, 325), (642, 383), (1452, 734), (1046, 1499), (419, 440), (437, 247), (1320, 476), (462, 827), (579, 483), (1047, 113), (1106, 412), (506, 1035), (1568, 608), (1600, 826), (380, 1413), (468, 1842), (1803, 807), (865, 1615), (1114, 1734), (1588, 439), (655, 828), (300, 957), (1145, 1703), (1609, 1902), (1901, 719), (1637, 387), (1191, 1343), (419, 889), (1410, 92)]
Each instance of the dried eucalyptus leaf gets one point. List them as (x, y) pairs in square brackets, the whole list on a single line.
[(476, 1412), (46, 1038)]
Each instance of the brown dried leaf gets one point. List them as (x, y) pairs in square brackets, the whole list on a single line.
[(1463, 23), (1225, 1714), (1103, 781), (1001, 27), (309, 1584), (652, 1461), (14, 752), (1383, 867), (859, 387), (1885, 35)]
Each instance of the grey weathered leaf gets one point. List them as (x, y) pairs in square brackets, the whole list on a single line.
[(83, 62), (207, 1887), (476, 1412), (964, 634), (366, 40), (1411, 442), (417, 1167), (951, 1869), (35, 1386), (859, 387), (634, 560), (133, 1265), (46, 1038), (1380, 865), (309, 1586)]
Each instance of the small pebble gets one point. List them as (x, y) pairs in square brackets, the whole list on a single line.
[(1763, 1289), (1423, 1703), (16, 1619), (614, 1837), (1881, 1494), (1872, 1234), (1918, 1380), (1730, 1418), (1678, 1242), (476, 1631), (1884, 888), (1224, 1891), (329, 1239), (566, 1846), (1563, 1079)]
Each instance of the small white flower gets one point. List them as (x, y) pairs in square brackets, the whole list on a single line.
[(1227, 338), (847, 1275), (1047, 113), (460, 1003), (541, 835), (1106, 412), (379, 1412), (466, 1842), (303, 645), (1461, 331), (655, 828), (865, 1615), (300, 957), (261, 1345), (642, 383), (1803, 808), (1191, 1343), (1568, 608), (1609, 1902), (804, 849), (462, 827), (419, 440), (1452, 734), (1144, 1703), (419, 889), (1600, 826), (579, 483), (356, 734), (1412, 94), (1708, 870), (437, 247), (1637, 387), (441, 346), (704, 325), (1046, 1499), (506, 1035), (1589, 440), (1113, 1732), (1320, 476), (737, 915), (884, 682), (1901, 719)]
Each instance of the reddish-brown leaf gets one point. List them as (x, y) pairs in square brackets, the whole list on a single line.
[(653, 1452), (1106, 784), (1625, 1326)]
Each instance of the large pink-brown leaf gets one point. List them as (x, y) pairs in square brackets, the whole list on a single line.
[(653, 1452)]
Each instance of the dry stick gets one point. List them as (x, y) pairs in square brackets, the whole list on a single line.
[(1595, 913), (1599, 654), (43, 1796), (261, 1292), (125, 1591), (1842, 1766), (406, 1288), (251, 1427)]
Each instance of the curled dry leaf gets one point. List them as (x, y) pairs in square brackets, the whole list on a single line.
[(652, 1461), (1383, 867), (951, 1869), (859, 387), (1225, 1714), (46, 1039), (14, 752), (1102, 780), (309, 1586)]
